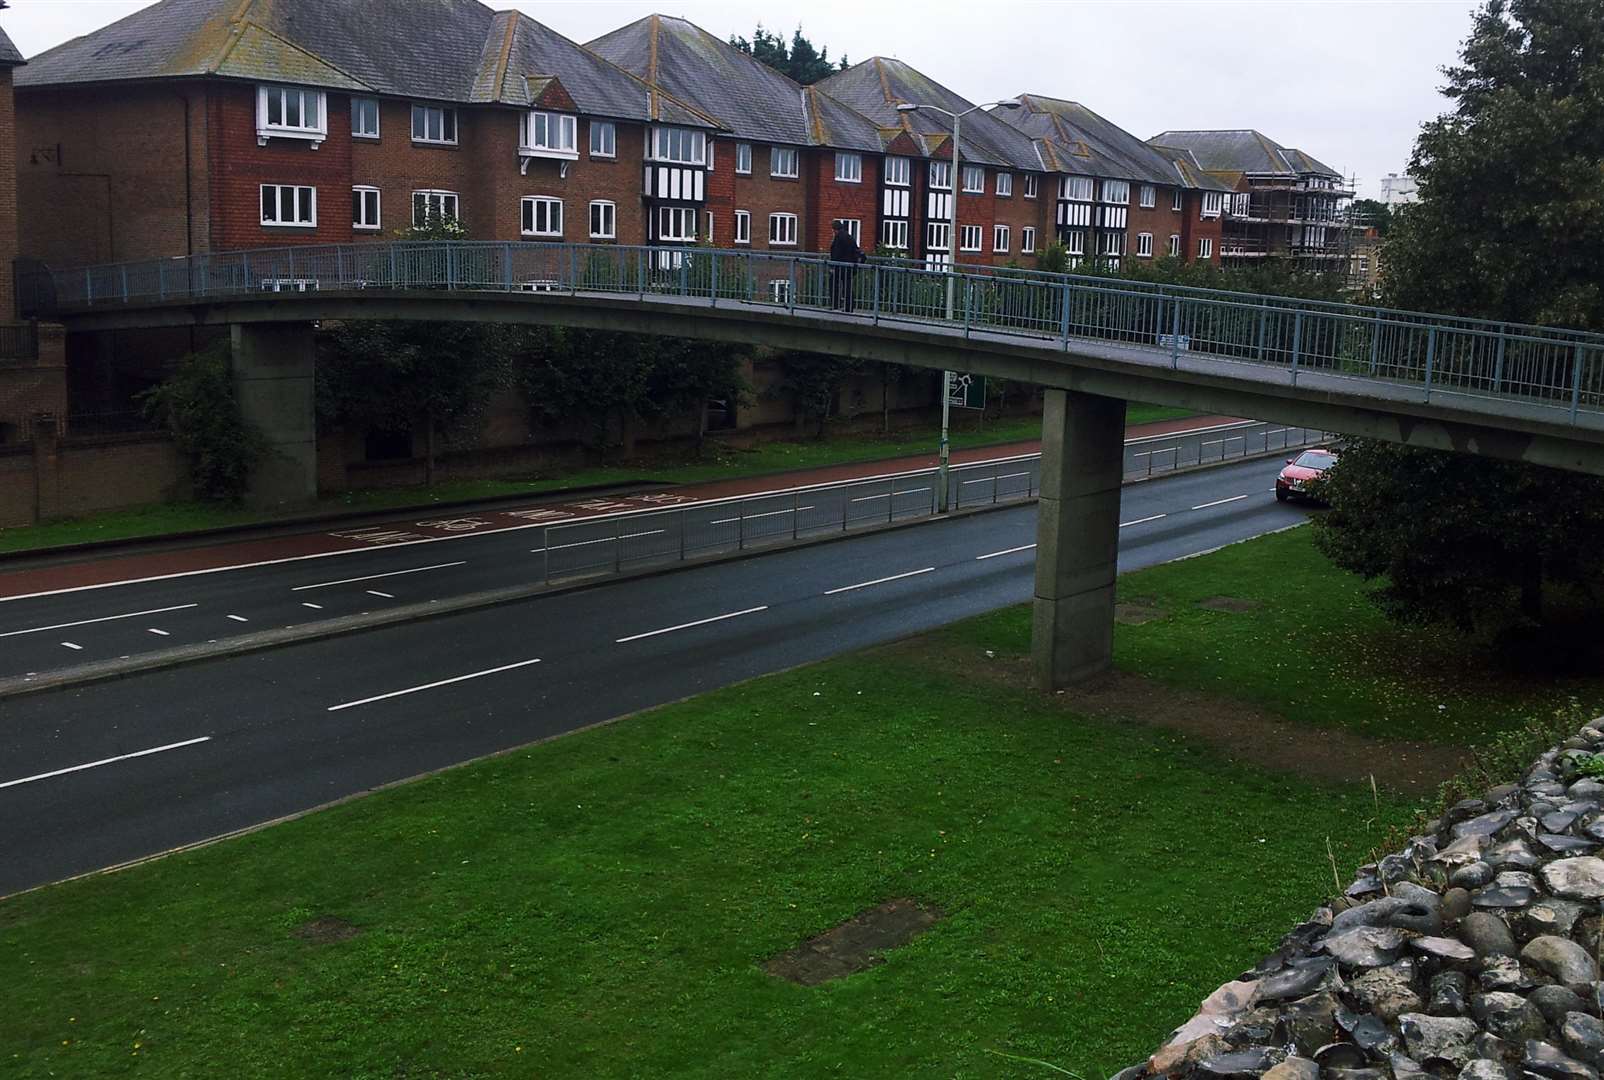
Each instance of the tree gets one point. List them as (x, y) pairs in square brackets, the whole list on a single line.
[(1510, 225), (801, 62), (813, 382), (1377, 215), (197, 404), (1474, 548)]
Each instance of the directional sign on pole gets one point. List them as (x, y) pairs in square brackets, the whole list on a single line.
[(966, 391)]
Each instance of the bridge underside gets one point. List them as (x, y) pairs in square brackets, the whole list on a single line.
[(1087, 388)]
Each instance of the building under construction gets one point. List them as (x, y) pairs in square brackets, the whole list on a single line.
[(1285, 204)]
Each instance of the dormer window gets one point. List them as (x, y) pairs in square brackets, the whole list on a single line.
[(291, 112), (548, 135)]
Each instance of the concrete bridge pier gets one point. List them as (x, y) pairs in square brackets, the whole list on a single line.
[(1077, 537), (274, 366)]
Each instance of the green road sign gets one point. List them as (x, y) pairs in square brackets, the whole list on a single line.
[(966, 391)]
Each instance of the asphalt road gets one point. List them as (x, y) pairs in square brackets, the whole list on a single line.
[(101, 774), (55, 630)]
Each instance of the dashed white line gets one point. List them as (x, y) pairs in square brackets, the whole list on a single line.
[(106, 761), (376, 592), (104, 618), (314, 607), (431, 686), (239, 618), (1219, 502), (910, 491), (689, 625), (158, 633), (376, 577), (754, 517), (603, 540), (73, 646), (879, 581), (1005, 551), (1142, 521)]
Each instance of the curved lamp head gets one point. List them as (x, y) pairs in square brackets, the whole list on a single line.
[(908, 106)]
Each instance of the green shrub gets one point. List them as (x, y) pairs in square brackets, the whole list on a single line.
[(197, 404)]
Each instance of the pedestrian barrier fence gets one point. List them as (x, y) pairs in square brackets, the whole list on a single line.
[(648, 538), (1560, 368)]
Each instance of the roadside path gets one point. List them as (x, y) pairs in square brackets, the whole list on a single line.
[(396, 527)]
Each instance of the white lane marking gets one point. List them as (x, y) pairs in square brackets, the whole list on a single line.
[(72, 646), (239, 618), (879, 581), (376, 592), (754, 517), (431, 686), (543, 525), (376, 577), (603, 540), (1192, 431), (1151, 453), (158, 633), (1005, 551), (106, 761), (314, 607), (687, 626), (104, 618), (1142, 521), (1220, 502), (909, 491)]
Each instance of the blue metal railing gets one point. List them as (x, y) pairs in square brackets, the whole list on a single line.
[(1436, 353)]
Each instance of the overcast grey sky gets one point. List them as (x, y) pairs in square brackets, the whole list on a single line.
[(1346, 81)]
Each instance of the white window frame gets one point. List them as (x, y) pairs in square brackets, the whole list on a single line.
[(609, 219), (743, 159), (848, 167), (1116, 193), (1175, 245), (682, 146), (1149, 196), (438, 200), (548, 135), (1205, 247), (1075, 241), (358, 106), (938, 236), (709, 234), (1027, 240), (940, 176), (781, 158), (429, 112), (743, 227), (607, 131), (780, 291), (1005, 184), (1176, 201), (1030, 185), (300, 190), (1144, 245), (1076, 188), (974, 179), (899, 171), (1212, 201), (970, 237), (365, 190), (267, 129), (782, 230), (999, 239), (678, 216), (894, 234)]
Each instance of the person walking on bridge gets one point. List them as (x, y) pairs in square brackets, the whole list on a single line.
[(845, 255)]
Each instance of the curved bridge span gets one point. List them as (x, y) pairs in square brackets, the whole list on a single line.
[(1503, 390)]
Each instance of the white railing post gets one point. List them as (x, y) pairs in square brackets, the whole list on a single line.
[(1576, 383), (1431, 356)]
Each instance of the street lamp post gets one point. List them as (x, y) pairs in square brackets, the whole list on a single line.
[(943, 478)]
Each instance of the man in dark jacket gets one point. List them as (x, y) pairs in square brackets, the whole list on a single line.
[(844, 252)]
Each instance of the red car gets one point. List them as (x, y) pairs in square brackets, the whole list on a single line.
[(1301, 472)]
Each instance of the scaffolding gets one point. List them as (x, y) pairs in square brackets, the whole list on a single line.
[(1306, 220)]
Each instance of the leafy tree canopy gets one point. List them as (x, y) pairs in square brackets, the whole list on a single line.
[(801, 61), (197, 404)]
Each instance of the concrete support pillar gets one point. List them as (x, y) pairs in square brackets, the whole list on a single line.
[(1077, 537), (274, 365), (46, 434)]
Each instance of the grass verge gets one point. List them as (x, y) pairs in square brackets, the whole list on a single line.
[(718, 464)]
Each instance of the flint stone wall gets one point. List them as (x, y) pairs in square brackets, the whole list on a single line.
[(1471, 954)]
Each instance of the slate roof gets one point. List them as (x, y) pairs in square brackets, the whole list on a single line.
[(875, 87), (440, 50), (1074, 139), (1243, 152), (745, 95), (9, 56)]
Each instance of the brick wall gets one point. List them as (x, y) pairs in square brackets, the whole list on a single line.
[(33, 386), (8, 193), (759, 194), (1160, 219), (1198, 227), (54, 477), (1018, 212), (833, 199), (101, 176)]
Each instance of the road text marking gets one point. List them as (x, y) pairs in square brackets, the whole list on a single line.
[(1220, 502), (104, 618), (1005, 551), (687, 626), (431, 686), (376, 577), (106, 761), (879, 581)]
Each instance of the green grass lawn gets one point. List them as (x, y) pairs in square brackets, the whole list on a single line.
[(768, 457)]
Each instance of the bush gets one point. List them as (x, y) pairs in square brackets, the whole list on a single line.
[(196, 404)]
